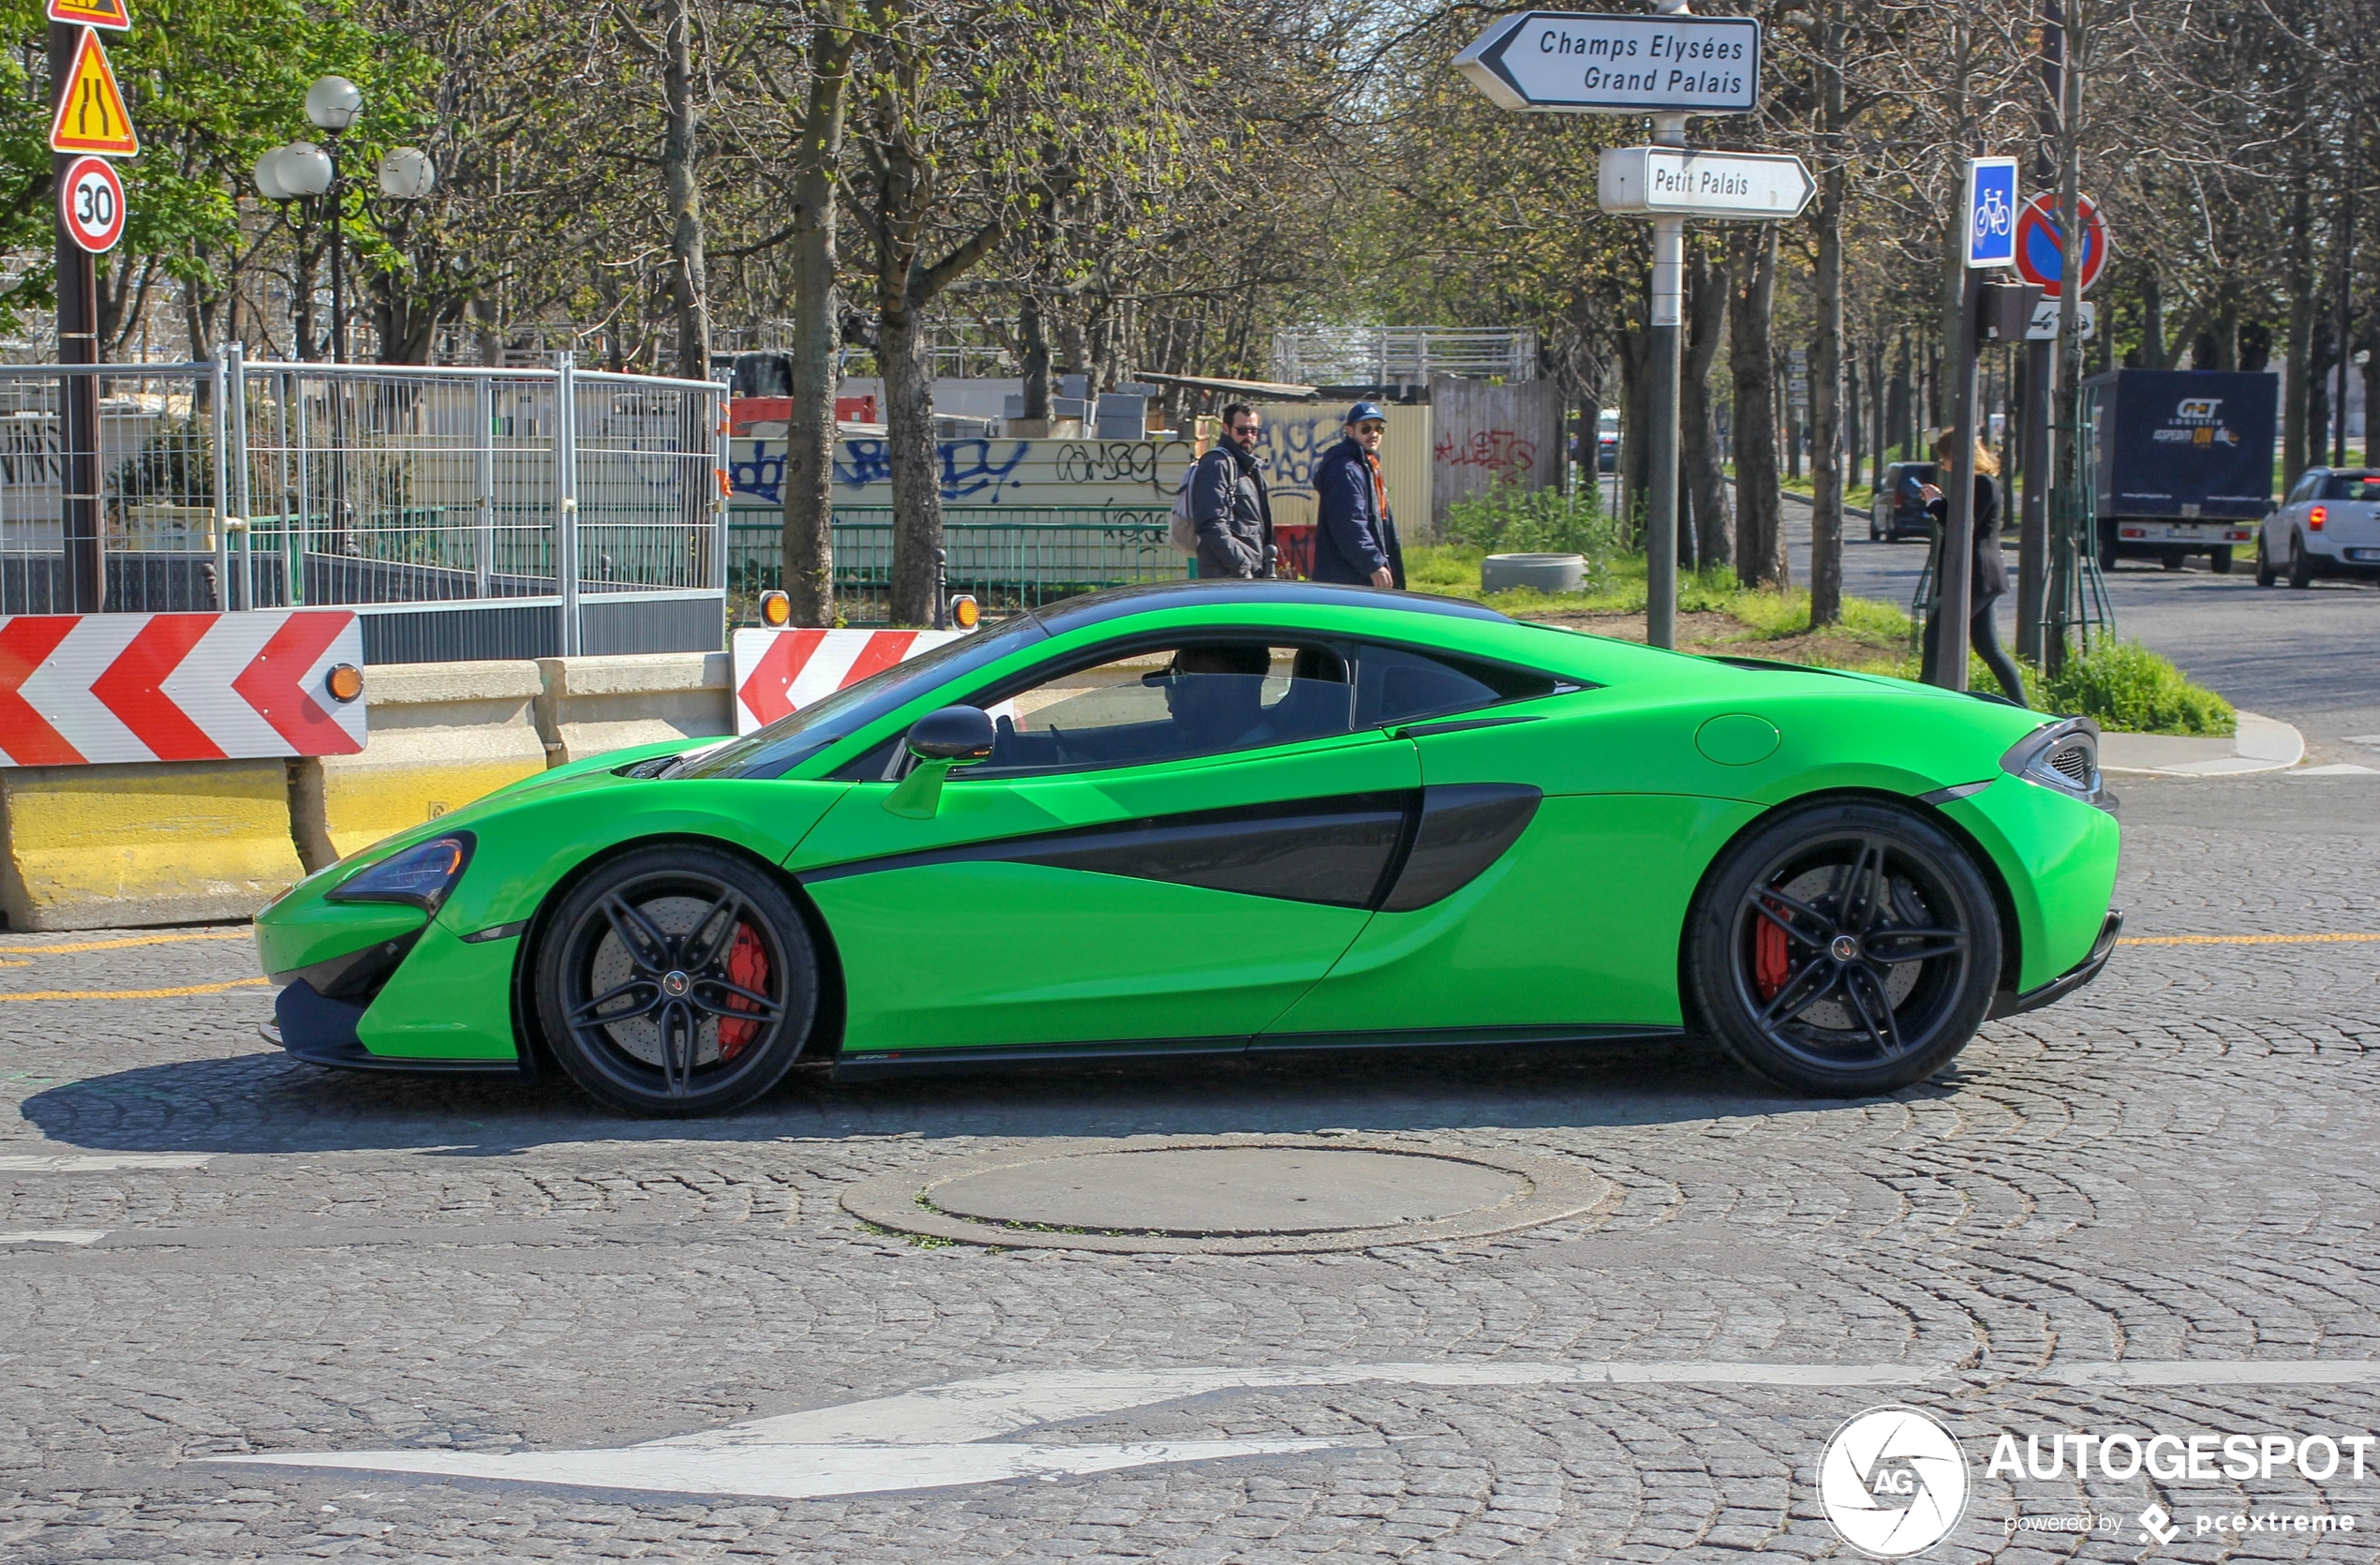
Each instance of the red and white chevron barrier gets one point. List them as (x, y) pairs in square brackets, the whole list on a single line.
[(79, 689), (778, 672)]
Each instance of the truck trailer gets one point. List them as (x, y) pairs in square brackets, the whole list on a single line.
[(2184, 462)]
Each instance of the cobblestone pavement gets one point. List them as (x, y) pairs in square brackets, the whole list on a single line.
[(2171, 1172)]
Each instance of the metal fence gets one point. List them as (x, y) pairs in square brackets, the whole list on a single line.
[(462, 513), (1010, 557), (1399, 355)]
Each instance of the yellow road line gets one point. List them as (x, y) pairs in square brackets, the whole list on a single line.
[(134, 993), (2244, 939), (120, 945)]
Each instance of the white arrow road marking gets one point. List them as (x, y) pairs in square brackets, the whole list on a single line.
[(926, 1438), (102, 1162), (55, 1236)]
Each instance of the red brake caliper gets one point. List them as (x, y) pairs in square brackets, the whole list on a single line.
[(1770, 966), (747, 968)]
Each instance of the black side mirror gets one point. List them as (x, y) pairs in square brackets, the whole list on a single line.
[(956, 734)]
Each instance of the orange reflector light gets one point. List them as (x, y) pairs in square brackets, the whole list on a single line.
[(776, 610), (345, 682), (2315, 517), (964, 612)]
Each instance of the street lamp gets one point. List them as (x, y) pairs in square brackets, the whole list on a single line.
[(302, 170)]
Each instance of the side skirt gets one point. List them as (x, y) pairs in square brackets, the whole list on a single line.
[(892, 1063)]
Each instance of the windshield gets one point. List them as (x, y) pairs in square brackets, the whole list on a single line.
[(791, 739)]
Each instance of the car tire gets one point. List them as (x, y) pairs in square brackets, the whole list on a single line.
[(646, 971), (2172, 559), (1770, 976), (2108, 548), (2264, 574), (2218, 560), (2301, 565)]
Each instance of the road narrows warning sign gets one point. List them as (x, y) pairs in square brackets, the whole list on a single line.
[(111, 14), (91, 112)]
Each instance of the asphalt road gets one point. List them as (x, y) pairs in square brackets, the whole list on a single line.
[(2310, 658), (2148, 1212)]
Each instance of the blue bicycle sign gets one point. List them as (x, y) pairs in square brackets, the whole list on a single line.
[(1991, 211)]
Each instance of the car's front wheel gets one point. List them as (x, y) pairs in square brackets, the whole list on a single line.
[(2266, 576), (677, 981), (1845, 948)]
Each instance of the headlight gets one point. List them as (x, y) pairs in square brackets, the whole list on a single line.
[(422, 875), (2064, 756)]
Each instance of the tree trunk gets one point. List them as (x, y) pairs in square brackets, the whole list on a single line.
[(1760, 542), (1826, 391), (2303, 307), (2371, 411), (1635, 353), (916, 474), (2152, 318), (681, 155), (1698, 418), (808, 485), (1032, 341)]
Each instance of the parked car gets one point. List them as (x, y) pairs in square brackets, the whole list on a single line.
[(1898, 511), (1228, 818), (1607, 442), (2328, 525)]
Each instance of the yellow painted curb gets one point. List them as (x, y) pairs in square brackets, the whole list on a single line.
[(104, 847)]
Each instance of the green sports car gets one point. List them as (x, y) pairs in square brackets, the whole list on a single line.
[(1234, 817)]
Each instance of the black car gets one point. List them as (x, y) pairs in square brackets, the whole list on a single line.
[(1898, 510)]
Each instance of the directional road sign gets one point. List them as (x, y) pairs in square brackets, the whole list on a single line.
[(2041, 252), (91, 114), (91, 204), (1618, 65), (1649, 181), (2045, 322), (1990, 207), (109, 14)]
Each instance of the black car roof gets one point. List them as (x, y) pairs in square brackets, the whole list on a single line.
[(1092, 607)]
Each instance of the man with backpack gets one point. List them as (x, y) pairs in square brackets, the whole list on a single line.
[(1355, 538), (1228, 506)]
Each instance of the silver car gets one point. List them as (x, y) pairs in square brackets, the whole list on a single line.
[(2328, 525)]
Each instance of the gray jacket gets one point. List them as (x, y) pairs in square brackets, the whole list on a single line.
[(1234, 513)]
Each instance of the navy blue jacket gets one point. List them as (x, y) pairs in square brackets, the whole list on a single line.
[(1353, 536)]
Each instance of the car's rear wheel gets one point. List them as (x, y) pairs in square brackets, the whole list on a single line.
[(677, 981), (2301, 565), (1845, 948)]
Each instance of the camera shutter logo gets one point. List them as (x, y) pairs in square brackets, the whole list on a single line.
[(1891, 1482)]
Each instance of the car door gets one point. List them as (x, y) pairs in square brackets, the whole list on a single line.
[(1171, 842), (1545, 888)]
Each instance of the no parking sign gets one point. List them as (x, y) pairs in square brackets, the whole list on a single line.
[(2041, 252), (91, 204)]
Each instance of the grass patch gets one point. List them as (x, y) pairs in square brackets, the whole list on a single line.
[(2127, 688)]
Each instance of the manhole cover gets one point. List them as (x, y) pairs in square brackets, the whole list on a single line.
[(1203, 1190), (1225, 1195)]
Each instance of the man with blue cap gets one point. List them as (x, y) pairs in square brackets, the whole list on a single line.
[(1354, 537)]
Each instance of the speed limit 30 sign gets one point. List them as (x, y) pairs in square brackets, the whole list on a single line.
[(91, 204)]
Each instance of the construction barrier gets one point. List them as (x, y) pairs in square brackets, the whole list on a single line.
[(156, 842), (442, 733), (106, 846), (590, 706)]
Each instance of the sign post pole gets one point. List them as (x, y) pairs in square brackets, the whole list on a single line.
[(1660, 505), (85, 580), (1988, 221)]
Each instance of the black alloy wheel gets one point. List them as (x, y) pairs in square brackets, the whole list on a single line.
[(1845, 948), (677, 981)]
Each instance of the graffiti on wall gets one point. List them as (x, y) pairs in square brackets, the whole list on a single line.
[(1502, 451), (974, 471)]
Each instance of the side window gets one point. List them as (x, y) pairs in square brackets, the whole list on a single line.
[(1169, 702), (2304, 490), (1397, 684)]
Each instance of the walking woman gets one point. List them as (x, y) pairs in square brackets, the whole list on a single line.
[(1989, 578)]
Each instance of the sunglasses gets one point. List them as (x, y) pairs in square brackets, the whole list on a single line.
[(1368, 427)]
